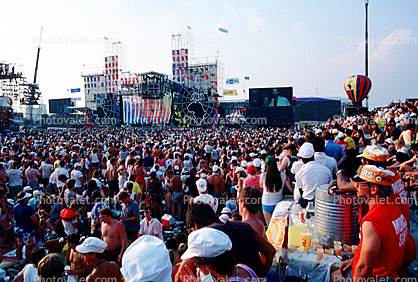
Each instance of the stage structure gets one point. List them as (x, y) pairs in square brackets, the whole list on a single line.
[(198, 84), (146, 98)]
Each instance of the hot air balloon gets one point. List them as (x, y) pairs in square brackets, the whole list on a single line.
[(357, 88)]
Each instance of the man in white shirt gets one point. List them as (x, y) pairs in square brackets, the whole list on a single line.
[(77, 175), (204, 197), (14, 177), (321, 157), (309, 176), (61, 171)]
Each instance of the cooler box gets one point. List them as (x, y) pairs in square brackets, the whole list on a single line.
[(167, 220)]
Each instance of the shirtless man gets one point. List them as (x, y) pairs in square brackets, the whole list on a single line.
[(93, 250), (113, 234), (217, 181), (249, 205), (175, 185), (79, 268), (111, 175)]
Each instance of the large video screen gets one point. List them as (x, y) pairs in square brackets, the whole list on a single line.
[(271, 97)]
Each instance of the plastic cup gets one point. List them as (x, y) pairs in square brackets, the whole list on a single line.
[(337, 243), (315, 243), (329, 251), (306, 240), (89, 215), (353, 249), (302, 216), (347, 248), (320, 253), (66, 268), (338, 250)]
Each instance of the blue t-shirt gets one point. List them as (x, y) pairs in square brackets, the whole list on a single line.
[(22, 214), (334, 150), (148, 161), (128, 211)]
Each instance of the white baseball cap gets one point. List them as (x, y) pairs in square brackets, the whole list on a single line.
[(207, 243), (91, 245), (215, 168), (340, 135), (77, 165), (27, 189), (201, 185), (306, 151), (389, 141), (244, 164), (252, 155), (224, 218), (318, 131), (226, 210), (257, 162), (147, 259), (37, 193)]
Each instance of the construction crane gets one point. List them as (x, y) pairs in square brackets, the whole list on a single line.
[(31, 94)]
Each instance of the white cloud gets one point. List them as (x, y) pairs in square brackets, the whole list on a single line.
[(395, 40)]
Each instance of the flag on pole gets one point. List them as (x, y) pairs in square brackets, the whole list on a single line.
[(106, 38), (188, 27), (247, 78)]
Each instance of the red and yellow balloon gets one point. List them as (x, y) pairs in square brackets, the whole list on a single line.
[(357, 87)]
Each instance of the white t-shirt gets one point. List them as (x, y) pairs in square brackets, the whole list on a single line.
[(76, 174), (310, 176), (58, 172), (47, 170), (14, 176), (30, 273)]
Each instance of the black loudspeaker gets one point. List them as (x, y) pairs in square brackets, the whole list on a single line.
[(275, 116)]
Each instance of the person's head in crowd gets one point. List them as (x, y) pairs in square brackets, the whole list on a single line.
[(306, 152), (309, 136), (200, 215), (273, 178), (147, 259), (327, 135), (132, 177), (348, 132), (374, 155), (129, 186), (73, 240), (251, 170), (211, 249), (92, 250), (51, 267), (374, 182), (37, 254), (250, 199), (181, 238), (290, 149), (62, 163), (319, 144), (23, 197), (182, 248), (96, 196), (236, 216), (124, 197), (300, 142), (106, 215), (70, 183), (149, 212)]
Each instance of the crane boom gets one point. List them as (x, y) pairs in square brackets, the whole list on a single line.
[(37, 57)]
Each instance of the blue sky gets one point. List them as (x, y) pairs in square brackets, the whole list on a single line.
[(300, 43)]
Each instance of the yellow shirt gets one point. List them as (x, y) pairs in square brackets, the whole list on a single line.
[(136, 188), (351, 144)]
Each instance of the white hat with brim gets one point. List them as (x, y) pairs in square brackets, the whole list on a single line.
[(27, 189), (147, 259), (91, 245), (207, 243), (27, 195)]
